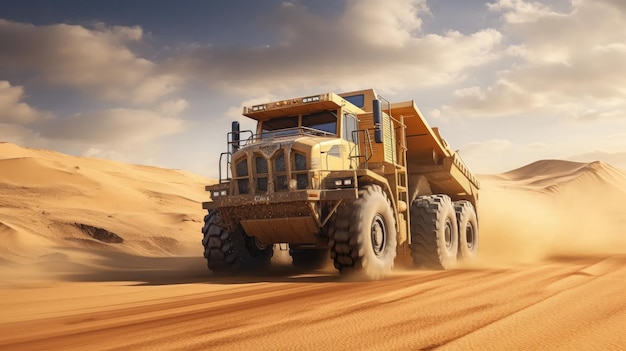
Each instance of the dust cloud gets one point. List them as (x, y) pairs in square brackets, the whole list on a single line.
[(572, 210)]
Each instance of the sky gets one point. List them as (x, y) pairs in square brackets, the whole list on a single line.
[(157, 82)]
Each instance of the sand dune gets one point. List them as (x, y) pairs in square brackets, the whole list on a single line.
[(100, 255), (72, 209)]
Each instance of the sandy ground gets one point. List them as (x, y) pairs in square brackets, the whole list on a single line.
[(101, 255), (563, 304)]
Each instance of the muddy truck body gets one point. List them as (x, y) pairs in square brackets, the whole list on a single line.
[(350, 177)]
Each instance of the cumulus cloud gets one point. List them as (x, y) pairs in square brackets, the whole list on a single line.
[(388, 26), (173, 107), (91, 63), (564, 62), (521, 11), (112, 127), (17, 134), (372, 43), (503, 98), (12, 109), (97, 60)]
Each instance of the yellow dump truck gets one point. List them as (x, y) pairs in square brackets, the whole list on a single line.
[(351, 177)]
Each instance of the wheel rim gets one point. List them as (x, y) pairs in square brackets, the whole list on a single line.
[(254, 245), (378, 234), (470, 238), (259, 245), (448, 234)]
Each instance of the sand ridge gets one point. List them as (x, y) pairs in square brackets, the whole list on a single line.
[(48, 198)]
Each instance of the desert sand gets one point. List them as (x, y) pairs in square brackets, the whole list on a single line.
[(101, 255)]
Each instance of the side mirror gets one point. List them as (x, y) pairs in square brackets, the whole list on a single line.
[(378, 121), (235, 136)]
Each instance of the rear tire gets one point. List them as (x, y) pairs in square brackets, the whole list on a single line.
[(468, 229), (434, 232), (363, 235), (308, 258), (231, 253)]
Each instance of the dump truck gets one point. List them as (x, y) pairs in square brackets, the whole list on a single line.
[(350, 177)]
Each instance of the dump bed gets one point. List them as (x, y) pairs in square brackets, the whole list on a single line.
[(429, 154)]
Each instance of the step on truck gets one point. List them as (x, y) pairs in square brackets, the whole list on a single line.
[(350, 177)]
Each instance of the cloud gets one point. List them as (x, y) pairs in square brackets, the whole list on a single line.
[(173, 107), (372, 43), (504, 98), (478, 148), (561, 62), (388, 26), (592, 115), (131, 97), (114, 128), (12, 109), (520, 11), (17, 134), (619, 4), (96, 60)]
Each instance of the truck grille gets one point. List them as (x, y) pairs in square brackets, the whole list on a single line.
[(261, 173), (282, 168), (241, 176)]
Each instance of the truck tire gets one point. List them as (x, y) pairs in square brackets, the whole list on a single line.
[(363, 235), (468, 229), (230, 253), (434, 232), (308, 258)]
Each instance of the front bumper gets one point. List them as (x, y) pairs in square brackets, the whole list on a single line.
[(283, 217), (281, 197)]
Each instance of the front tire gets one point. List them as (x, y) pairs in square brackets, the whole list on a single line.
[(363, 235), (434, 232), (231, 253)]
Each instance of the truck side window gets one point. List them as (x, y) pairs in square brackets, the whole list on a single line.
[(350, 124), (356, 100)]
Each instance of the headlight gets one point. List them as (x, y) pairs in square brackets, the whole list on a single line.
[(218, 193), (347, 182), (310, 99)]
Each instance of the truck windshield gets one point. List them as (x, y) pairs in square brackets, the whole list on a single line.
[(280, 126), (317, 123), (324, 121)]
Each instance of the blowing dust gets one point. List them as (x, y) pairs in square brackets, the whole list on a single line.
[(522, 224)]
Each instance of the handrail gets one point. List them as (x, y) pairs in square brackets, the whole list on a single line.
[(228, 155), (367, 144), (291, 132), (231, 142)]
